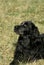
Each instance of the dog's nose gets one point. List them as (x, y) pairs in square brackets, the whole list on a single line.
[(16, 28)]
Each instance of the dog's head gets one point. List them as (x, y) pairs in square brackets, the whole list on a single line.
[(26, 28)]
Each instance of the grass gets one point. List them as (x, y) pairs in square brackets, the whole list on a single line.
[(13, 12)]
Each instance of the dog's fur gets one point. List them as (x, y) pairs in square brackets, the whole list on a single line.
[(30, 45)]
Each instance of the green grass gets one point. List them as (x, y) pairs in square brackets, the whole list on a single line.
[(13, 12)]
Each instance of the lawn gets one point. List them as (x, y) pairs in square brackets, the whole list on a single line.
[(13, 12)]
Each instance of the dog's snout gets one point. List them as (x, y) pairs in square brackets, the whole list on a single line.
[(16, 27)]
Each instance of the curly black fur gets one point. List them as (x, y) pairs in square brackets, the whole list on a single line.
[(30, 45)]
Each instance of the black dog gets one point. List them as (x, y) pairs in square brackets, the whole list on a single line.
[(30, 45)]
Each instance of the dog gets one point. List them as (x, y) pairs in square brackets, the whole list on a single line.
[(30, 44)]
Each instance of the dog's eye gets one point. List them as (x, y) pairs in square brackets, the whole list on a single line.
[(26, 23)]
